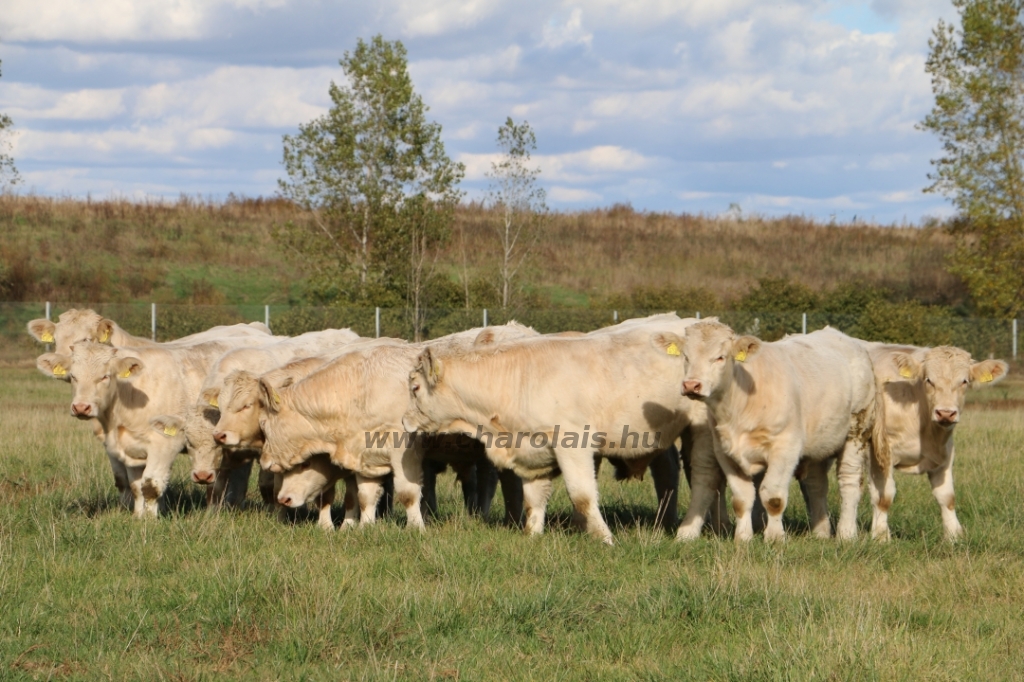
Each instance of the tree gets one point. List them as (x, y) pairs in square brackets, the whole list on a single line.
[(519, 201), (8, 172), (977, 73), (377, 183)]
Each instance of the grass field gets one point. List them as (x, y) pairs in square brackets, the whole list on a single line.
[(87, 592)]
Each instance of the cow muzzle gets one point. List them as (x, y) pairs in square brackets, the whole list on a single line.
[(693, 389), (946, 416), (226, 437), (289, 500), (203, 477), (82, 410)]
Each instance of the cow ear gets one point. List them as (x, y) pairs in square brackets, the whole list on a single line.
[(54, 365), (907, 367), (484, 338), (42, 330), (126, 369), (432, 368), (211, 397), (269, 397), (168, 425), (744, 347), (667, 343), (988, 372), (104, 330)]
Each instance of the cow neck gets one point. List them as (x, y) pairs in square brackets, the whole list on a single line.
[(722, 404)]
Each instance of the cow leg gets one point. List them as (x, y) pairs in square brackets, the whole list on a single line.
[(581, 483), (156, 476), (429, 497), (774, 490), (535, 497), (369, 492), (758, 515), (486, 485), (407, 466), (326, 499), (814, 486), (850, 472), (135, 486), (465, 474), (512, 492), (743, 495), (120, 471), (351, 503), (387, 496), (665, 474), (238, 484), (707, 488), (265, 482), (883, 491), (942, 490)]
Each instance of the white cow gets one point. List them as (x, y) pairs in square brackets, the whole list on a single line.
[(806, 397), (922, 391), (545, 406)]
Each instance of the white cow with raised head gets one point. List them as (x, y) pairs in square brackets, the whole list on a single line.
[(806, 397), (922, 392)]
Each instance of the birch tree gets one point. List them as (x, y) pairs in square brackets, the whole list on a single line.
[(518, 201)]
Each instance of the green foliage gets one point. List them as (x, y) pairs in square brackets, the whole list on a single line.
[(686, 301), (906, 322), (977, 73), (519, 202), (851, 299), (378, 186), (778, 294), (8, 173)]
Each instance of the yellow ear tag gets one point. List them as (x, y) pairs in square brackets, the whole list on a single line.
[(106, 336), (125, 374), (59, 371), (672, 349), (986, 377), (741, 356), (170, 431), (277, 398), (213, 403), (47, 337), (905, 372)]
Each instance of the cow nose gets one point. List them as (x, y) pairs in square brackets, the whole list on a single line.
[(691, 387), (202, 477), (945, 416), (81, 409), (220, 436), (286, 500)]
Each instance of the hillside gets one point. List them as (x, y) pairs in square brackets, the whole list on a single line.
[(200, 252)]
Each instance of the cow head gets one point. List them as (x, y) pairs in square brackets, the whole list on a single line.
[(710, 351), (945, 373), (206, 453), (433, 404), (73, 326), (97, 374), (289, 435), (308, 480), (238, 424)]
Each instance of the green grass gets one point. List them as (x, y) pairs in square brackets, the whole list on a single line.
[(88, 592)]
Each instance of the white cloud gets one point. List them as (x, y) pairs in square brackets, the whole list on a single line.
[(571, 32), (571, 195)]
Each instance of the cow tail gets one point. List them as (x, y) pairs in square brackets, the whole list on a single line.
[(881, 449)]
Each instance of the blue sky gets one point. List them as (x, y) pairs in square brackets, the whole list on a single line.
[(787, 106)]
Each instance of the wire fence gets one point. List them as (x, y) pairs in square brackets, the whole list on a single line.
[(982, 337)]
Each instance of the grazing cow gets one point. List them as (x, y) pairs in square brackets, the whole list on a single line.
[(313, 483), (74, 326), (922, 392), (124, 388), (351, 409), (208, 464), (771, 404), (545, 406)]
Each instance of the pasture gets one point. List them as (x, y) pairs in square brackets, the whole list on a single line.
[(88, 592)]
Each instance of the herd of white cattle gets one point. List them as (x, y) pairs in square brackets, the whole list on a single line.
[(504, 403)]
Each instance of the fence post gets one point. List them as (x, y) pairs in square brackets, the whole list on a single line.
[(266, 315), (615, 316), (698, 314), (805, 323), (377, 321), (1015, 339), (152, 318), (485, 317), (47, 310)]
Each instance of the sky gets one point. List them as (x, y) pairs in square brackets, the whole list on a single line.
[(769, 107)]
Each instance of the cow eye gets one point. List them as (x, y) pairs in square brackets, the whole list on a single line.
[(415, 387), (720, 358), (246, 407), (966, 381), (928, 381)]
